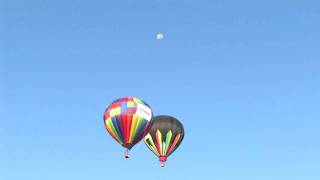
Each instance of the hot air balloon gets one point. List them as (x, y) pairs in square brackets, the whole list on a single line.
[(128, 120), (165, 136)]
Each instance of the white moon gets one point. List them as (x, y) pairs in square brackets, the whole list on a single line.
[(160, 36)]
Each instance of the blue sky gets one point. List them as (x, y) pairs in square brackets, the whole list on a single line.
[(242, 76)]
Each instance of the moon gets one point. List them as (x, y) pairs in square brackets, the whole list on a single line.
[(160, 36)]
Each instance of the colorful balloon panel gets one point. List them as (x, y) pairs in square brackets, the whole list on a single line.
[(128, 120), (164, 137)]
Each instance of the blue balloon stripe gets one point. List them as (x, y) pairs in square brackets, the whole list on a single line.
[(117, 126)]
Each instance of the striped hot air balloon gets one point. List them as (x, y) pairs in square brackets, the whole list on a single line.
[(128, 120), (165, 136)]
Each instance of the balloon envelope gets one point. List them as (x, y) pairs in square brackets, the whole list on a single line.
[(165, 136), (128, 120)]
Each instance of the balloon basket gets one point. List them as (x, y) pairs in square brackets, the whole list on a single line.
[(126, 154)]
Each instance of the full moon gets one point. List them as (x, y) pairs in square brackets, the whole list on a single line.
[(160, 36)]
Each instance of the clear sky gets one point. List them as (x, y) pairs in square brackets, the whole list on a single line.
[(243, 76)]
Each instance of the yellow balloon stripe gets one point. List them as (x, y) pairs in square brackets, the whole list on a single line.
[(115, 111), (138, 124), (135, 119), (137, 101)]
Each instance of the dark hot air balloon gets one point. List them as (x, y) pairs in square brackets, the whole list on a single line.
[(128, 120), (165, 136)]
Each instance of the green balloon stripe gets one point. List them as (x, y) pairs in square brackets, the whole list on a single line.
[(151, 145), (134, 133), (168, 140)]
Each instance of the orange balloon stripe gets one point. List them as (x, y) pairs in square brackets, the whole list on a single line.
[(159, 142), (173, 146)]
